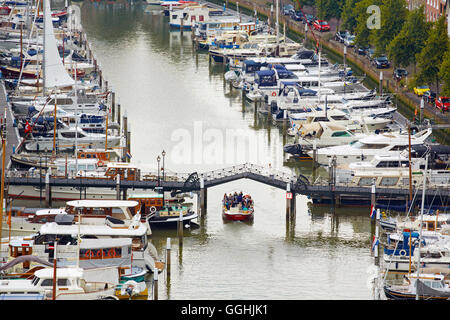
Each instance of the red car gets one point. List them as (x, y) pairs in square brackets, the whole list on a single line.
[(321, 25), (442, 103)]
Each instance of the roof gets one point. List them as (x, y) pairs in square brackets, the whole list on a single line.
[(120, 165), (97, 230), (69, 272), (102, 203)]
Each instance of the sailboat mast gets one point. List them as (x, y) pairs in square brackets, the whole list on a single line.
[(2, 191), (421, 221)]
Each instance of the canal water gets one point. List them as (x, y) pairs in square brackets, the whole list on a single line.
[(176, 100)]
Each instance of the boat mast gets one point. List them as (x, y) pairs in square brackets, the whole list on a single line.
[(278, 27), (410, 170), (2, 191), (421, 221)]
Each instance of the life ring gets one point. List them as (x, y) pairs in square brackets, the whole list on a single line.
[(88, 254), (274, 94), (403, 252), (100, 163), (152, 209)]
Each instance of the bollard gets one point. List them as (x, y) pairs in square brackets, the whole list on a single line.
[(48, 190), (155, 284), (118, 186), (168, 249)]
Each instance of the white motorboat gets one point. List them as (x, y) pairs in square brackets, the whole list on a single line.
[(65, 139), (367, 148), (71, 285)]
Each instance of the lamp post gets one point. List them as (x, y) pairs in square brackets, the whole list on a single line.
[(163, 167), (158, 159)]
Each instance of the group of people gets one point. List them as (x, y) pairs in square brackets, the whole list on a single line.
[(233, 200)]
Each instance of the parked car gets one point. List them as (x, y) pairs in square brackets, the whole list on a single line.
[(349, 41), (340, 36), (321, 25), (442, 103), (381, 62), (370, 54), (298, 16), (310, 19), (288, 9), (420, 90), (399, 73), (362, 51), (429, 96)]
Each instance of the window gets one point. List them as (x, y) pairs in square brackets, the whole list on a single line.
[(366, 181), (389, 181), (341, 134)]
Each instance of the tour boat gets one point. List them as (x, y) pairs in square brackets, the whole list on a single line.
[(238, 210), (161, 212)]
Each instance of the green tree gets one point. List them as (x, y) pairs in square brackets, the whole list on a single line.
[(329, 8), (393, 16), (429, 60), (402, 50), (363, 32), (348, 15), (444, 73)]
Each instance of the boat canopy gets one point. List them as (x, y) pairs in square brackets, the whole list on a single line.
[(266, 78), (251, 66), (102, 203)]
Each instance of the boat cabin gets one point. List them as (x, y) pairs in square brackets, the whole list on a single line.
[(125, 170), (148, 203), (103, 156)]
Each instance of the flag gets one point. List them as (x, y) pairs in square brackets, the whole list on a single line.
[(27, 127), (373, 212), (375, 242), (129, 154)]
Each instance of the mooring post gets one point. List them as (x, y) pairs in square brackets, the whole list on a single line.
[(377, 236), (118, 114), (124, 130), (48, 190), (203, 197), (381, 83), (290, 203), (372, 200), (118, 186), (155, 284), (422, 106), (128, 145), (180, 228), (168, 249), (113, 106)]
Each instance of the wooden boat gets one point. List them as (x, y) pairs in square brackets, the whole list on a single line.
[(428, 287), (240, 209), (159, 211), (71, 285)]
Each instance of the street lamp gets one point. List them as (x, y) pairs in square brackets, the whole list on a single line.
[(163, 167), (158, 158)]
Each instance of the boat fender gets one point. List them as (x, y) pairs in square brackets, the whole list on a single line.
[(403, 252), (152, 209)]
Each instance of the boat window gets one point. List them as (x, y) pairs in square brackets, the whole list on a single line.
[(69, 135), (374, 146), (341, 134), (35, 281), (398, 148), (63, 282), (47, 283), (366, 181), (343, 117), (389, 181)]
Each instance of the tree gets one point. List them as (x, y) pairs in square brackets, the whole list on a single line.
[(402, 50), (393, 16), (444, 73), (363, 17), (348, 15), (329, 8), (429, 60)]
